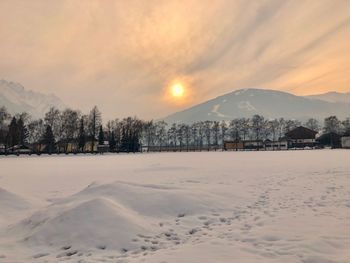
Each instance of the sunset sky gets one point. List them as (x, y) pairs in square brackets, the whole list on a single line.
[(125, 56)]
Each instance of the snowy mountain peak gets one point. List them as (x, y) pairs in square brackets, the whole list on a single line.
[(332, 96), (269, 103), (17, 99)]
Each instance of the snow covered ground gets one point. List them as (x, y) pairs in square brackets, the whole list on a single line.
[(291, 206)]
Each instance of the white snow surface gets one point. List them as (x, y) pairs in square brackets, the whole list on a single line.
[(246, 207)]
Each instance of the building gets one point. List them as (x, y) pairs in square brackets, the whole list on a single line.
[(67, 146), (2, 148), (253, 144), (19, 149), (91, 146), (281, 144), (301, 137), (233, 145), (345, 141), (330, 139), (103, 148)]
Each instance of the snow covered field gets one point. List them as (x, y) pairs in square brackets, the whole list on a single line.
[(291, 206)]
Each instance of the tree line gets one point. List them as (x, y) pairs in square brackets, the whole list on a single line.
[(59, 130)]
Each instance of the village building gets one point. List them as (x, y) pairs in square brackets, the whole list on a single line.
[(281, 144), (103, 148), (330, 139), (67, 146), (253, 144), (19, 149), (345, 141), (301, 137), (91, 146), (233, 145), (2, 148)]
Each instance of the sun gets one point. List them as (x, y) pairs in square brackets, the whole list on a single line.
[(177, 90)]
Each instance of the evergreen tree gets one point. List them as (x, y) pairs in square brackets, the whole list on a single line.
[(112, 142), (49, 139), (101, 137), (13, 135), (4, 117), (82, 135), (94, 123), (22, 132)]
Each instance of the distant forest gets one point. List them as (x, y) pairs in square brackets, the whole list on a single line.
[(59, 130)]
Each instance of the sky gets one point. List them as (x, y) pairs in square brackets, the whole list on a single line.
[(124, 55)]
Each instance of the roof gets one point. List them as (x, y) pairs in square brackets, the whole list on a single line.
[(260, 141), (329, 135), (234, 141), (301, 133)]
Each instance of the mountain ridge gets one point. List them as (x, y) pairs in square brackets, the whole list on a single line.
[(332, 96), (17, 99), (269, 103)]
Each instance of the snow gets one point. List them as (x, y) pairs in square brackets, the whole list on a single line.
[(17, 99), (287, 206), (246, 105), (215, 110)]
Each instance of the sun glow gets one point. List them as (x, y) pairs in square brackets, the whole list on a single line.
[(177, 90)]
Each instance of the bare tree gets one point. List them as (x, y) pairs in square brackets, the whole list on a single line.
[(273, 126), (161, 133), (290, 125), (312, 124), (332, 124), (346, 125), (207, 126), (36, 129), (216, 133), (5, 117), (69, 126), (257, 124), (223, 128), (245, 126)]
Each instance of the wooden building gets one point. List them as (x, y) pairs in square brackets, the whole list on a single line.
[(330, 139), (345, 141), (301, 137), (281, 144), (234, 145), (253, 144)]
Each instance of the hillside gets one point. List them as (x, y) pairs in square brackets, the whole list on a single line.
[(269, 103), (17, 99)]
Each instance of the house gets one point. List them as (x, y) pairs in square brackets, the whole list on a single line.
[(345, 141), (91, 145), (281, 144), (103, 148), (19, 149), (301, 137), (233, 145), (253, 144), (2, 148), (67, 146), (330, 139)]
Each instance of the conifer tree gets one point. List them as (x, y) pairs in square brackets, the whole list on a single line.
[(112, 142), (101, 137), (49, 139), (82, 135), (13, 135), (22, 132)]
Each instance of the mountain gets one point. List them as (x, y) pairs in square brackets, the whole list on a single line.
[(332, 97), (17, 99), (269, 103)]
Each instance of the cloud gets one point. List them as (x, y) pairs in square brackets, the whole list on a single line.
[(122, 54)]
